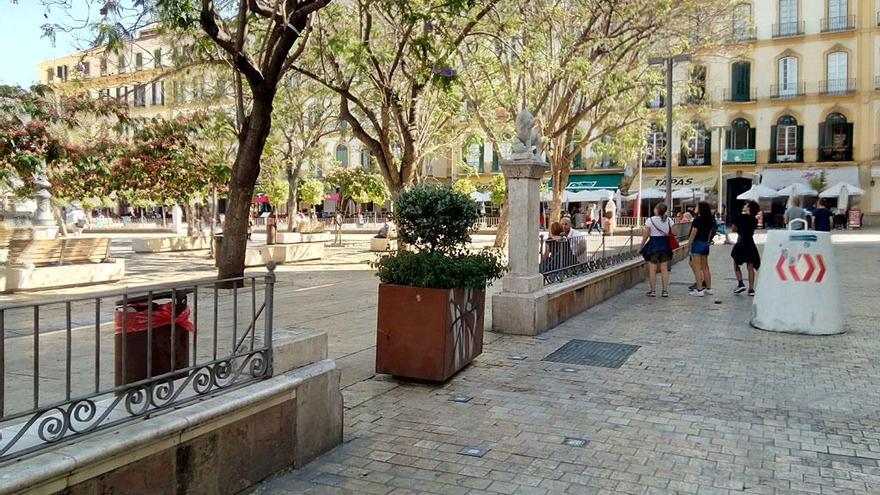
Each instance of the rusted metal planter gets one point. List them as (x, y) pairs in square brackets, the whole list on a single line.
[(428, 334)]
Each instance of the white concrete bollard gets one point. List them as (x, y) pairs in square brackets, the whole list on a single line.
[(798, 289)]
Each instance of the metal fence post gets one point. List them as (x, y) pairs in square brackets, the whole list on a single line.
[(270, 313)]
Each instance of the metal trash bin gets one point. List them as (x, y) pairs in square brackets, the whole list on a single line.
[(271, 230), (133, 317)]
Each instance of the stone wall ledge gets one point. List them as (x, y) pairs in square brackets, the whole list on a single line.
[(89, 458)]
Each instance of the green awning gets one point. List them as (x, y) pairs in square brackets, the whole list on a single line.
[(589, 182)]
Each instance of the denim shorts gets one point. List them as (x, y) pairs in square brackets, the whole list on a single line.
[(700, 248)]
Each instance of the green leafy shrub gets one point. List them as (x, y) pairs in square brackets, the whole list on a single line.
[(435, 224)]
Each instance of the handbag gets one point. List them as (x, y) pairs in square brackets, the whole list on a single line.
[(673, 239)]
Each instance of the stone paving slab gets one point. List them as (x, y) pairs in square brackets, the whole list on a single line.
[(707, 405)]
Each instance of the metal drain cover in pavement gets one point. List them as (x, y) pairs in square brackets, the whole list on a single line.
[(592, 353)]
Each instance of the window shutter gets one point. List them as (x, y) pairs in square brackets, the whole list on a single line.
[(823, 138), (682, 155), (849, 142), (496, 161), (707, 149), (728, 136), (751, 144), (800, 143), (482, 167), (773, 144)]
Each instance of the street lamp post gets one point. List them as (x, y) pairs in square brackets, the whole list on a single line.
[(720, 129), (668, 62)]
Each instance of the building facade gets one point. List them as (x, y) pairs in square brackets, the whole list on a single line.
[(796, 98)]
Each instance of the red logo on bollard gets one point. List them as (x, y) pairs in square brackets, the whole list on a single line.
[(811, 270)]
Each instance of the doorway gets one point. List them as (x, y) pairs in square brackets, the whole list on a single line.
[(735, 187)]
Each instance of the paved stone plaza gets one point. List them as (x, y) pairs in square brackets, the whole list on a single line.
[(705, 405)]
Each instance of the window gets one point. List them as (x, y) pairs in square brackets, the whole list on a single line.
[(61, 72), (741, 75), (788, 76), (104, 93), (835, 139), (366, 159), (157, 58), (742, 22), (158, 93), (838, 11), (120, 94), (656, 150), (222, 86), (741, 135), (85, 68), (698, 84), (103, 66), (788, 17), (342, 155), (656, 101), (698, 146), (473, 156), (138, 61), (140, 95), (786, 140), (120, 64), (506, 150), (606, 160), (50, 75), (837, 72)]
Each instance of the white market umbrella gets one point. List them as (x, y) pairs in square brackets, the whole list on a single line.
[(683, 193), (480, 197), (648, 194), (834, 191), (798, 189), (548, 196), (758, 192), (843, 199)]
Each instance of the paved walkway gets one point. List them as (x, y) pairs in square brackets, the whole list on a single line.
[(706, 405)]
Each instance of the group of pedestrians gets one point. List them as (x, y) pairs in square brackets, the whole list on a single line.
[(660, 238)]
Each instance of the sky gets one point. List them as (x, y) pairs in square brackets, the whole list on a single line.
[(21, 42)]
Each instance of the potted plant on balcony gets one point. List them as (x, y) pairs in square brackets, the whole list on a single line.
[(433, 288)]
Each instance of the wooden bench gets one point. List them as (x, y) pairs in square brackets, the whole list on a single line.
[(48, 252)]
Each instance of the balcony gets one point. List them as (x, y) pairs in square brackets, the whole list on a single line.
[(787, 91), (730, 96), (837, 24), (787, 29), (877, 83), (837, 87), (740, 156), (745, 34), (696, 99), (654, 163)]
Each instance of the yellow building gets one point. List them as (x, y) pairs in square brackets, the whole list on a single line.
[(796, 99)]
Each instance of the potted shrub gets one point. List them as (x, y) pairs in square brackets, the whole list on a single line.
[(433, 288)]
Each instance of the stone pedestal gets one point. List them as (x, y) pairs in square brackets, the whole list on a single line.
[(517, 308), (524, 190)]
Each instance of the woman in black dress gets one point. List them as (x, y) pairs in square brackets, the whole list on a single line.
[(745, 251)]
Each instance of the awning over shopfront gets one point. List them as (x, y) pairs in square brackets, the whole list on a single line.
[(777, 179), (688, 180), (591, 182)]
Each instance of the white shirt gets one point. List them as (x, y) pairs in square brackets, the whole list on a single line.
[(654, 222)]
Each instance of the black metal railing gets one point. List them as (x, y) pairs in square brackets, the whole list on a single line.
[(837, 87), (655, 162), (72, 366), (784, 91), (838, 23), (785, 29), (567, 257), (744, 34), (730, 96)]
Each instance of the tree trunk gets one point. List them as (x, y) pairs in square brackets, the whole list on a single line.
[(503, 224), (293, 183), (245, 171)]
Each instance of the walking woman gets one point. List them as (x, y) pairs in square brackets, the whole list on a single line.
[(745, 251), (702, 230), (656, 250)]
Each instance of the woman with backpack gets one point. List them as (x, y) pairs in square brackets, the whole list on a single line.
[(657, 250)]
